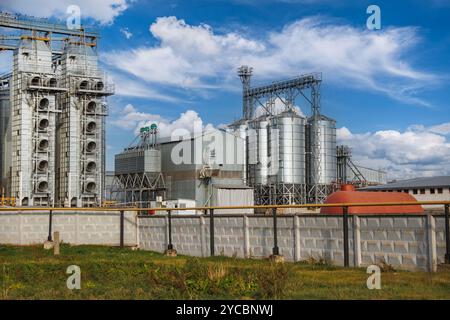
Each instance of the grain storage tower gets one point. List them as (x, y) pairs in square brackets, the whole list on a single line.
[(5, 135), (81, 145), (56, 114), (321, 166), (34, 85), (287, 149), (277, 147), (258, 158)]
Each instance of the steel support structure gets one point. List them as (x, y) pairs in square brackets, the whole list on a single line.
[(287, 91)]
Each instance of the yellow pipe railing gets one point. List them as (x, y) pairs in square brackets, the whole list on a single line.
[(312, 205)]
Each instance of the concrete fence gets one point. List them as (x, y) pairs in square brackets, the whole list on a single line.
[(412, 242), (84, 227)]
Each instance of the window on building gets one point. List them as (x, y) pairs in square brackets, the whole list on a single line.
[(422, 191), (415, 191), (439, 190), (406, 191), (432, 191)]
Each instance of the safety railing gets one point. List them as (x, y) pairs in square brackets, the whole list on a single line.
[(210, 212)]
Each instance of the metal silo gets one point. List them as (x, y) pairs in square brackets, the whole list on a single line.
[(262, 172), (287, 155), (257, 158), (321, 170)]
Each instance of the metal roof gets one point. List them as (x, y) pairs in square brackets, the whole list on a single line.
[(426, 182)]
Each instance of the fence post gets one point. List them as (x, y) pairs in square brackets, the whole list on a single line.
[(246, 237), (297, 242), (202, 236), (431, 238), (122, 226), (275, 250), (50, 221), (345, 226), (170, 245), (211, 231), (447, 235), (357, 241)]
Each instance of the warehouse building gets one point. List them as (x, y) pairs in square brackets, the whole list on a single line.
[(423, 189), (205, 169)]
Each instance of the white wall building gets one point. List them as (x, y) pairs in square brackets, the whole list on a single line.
[(423, 189)]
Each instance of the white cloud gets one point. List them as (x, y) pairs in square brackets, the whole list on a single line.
[(443, 128), (196, 57), (104, 11), (132, 119), (418, 151), (277, 108), (127, 33), (187, 56), (125, 86)]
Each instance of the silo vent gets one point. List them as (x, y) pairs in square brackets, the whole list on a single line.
[(42, 186), (42, 165), (91, 106), (90, 186), (44, 103), (43, 144), (91, 146), (43, 124), (91, 126)]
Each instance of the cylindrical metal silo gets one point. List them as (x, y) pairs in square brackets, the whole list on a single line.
[(252, 152), (287, 155), (321, 169), (262, 172), (287, 137)]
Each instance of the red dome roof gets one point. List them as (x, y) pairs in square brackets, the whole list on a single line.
[(371, 197)]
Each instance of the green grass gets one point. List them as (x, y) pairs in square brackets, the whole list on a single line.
[(113, 273)]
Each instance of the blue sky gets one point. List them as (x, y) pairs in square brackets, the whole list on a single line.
[(175, 61)]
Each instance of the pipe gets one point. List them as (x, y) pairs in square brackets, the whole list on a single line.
[(170, 245), (211, 231), (122, 220), (275, 250), (447, 235), (345, 226), (50, 219)]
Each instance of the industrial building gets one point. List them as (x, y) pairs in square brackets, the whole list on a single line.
[(204, 169), (423, 189), (292, 159), (279, 157), (52, 125)]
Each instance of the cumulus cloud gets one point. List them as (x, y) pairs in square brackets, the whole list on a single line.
[(128, 87), (197, 57), (277, 107), (131, 119), (104, 11), (127, 33), (418, 151)]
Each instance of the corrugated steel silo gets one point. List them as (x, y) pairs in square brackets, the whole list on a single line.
[(287, 154), (322, 170)]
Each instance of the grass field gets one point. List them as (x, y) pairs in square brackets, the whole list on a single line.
[(114, 273)]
